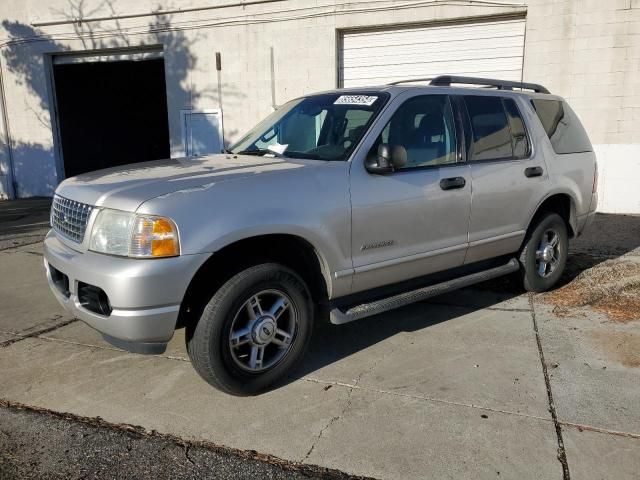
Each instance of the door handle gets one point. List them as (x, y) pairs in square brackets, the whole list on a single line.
[(453, 182), (533, 172)]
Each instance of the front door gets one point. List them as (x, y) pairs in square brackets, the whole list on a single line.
[(414, 221)]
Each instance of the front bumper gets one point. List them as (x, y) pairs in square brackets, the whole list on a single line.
[(144, 295)]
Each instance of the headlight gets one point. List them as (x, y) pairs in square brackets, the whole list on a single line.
[(140, 236)]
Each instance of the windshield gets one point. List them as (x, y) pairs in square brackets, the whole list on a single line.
[(319, 127)]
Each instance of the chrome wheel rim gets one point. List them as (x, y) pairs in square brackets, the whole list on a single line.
[(548, 253), (263, 331)]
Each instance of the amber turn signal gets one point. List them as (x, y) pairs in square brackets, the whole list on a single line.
[(154, 237)]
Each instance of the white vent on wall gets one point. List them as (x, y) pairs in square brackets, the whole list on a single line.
[(201, 132)]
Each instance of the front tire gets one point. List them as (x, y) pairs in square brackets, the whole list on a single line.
[(254, 329), (544, 254)]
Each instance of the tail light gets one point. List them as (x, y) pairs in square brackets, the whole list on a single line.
[(595, 179)]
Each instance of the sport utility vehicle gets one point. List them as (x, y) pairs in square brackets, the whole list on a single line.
[(348, 203)]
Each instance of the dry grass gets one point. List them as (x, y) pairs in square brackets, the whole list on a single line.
[(612, 287)]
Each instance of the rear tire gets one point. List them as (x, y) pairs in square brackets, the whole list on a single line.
[(254, 329), (544, 254)]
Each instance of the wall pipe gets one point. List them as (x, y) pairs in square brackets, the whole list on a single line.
[(151, 14), (10, 178)]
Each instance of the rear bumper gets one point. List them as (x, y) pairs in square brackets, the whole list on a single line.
[(584, 221), (144, 295)]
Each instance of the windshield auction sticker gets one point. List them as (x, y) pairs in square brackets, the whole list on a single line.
[(367, 100)]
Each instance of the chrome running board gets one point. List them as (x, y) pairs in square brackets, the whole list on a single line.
[(338, 317)]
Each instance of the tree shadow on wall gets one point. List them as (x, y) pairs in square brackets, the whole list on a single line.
[(25, 54)]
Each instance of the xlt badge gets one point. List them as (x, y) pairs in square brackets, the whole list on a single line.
[(381, 244)]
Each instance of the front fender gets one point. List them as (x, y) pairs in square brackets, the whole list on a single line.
[(313, 205)]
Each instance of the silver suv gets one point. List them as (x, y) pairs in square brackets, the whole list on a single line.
[(342, 204)]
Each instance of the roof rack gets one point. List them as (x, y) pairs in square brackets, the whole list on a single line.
[(410, 80), (447, 80)]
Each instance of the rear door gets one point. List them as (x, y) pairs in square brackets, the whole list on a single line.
[(414, 221), (509, 176)]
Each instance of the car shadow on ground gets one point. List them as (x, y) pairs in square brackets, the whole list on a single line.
[(610, 237), (332, 343)]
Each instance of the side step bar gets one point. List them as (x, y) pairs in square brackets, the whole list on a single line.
[(338, 317)]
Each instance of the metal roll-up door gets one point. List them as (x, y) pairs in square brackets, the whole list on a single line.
[(492, 49)]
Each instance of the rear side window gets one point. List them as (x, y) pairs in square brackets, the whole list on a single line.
[(491, 137), (563, 127)]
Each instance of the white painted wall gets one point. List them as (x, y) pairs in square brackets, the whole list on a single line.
[(618, 178)]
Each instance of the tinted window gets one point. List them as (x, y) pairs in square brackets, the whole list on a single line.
[(519, 139), (322, 127), (424, 127), (356, 124), (490, 129), (563, 127)]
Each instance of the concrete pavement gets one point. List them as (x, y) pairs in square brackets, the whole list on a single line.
[(451, 388), (24, 221)]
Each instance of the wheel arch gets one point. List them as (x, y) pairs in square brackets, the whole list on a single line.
[(564, 205), (291, 250)]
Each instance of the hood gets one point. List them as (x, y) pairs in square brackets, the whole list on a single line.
[(127, 187)]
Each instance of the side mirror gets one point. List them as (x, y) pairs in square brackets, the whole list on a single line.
[(398, 156), (387, 160)]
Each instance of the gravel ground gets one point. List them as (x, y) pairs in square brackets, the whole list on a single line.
[(36, 444)]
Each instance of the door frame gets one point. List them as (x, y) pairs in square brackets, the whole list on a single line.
[(85, 56)]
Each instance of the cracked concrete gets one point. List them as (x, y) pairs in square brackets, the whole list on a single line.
[(17, 337), (562, 456), (450, 388), (346, 408)]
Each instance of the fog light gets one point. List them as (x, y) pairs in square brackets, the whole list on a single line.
[(94, 299)]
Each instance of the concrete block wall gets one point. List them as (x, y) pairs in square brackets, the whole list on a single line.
[(303, 34), (586, 50)]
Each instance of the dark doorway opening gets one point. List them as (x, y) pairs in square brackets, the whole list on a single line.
[(111, 113)]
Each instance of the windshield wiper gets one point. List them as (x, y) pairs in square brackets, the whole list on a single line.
[(261, 151)]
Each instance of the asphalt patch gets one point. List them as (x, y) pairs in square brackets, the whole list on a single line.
[(40, 444)]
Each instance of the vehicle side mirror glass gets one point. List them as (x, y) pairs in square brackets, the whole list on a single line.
[(387, 159), (398, 156)]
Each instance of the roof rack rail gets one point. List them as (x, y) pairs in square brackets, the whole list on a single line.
[(447, 80), (410, 80)]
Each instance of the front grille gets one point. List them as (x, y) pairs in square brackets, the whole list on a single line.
[(69, 218)]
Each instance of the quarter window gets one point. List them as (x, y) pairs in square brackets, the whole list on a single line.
[(519, 139), (491, 137), (566, 133), (424, 126)]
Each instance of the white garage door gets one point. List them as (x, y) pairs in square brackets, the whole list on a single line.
[(487, 49)]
